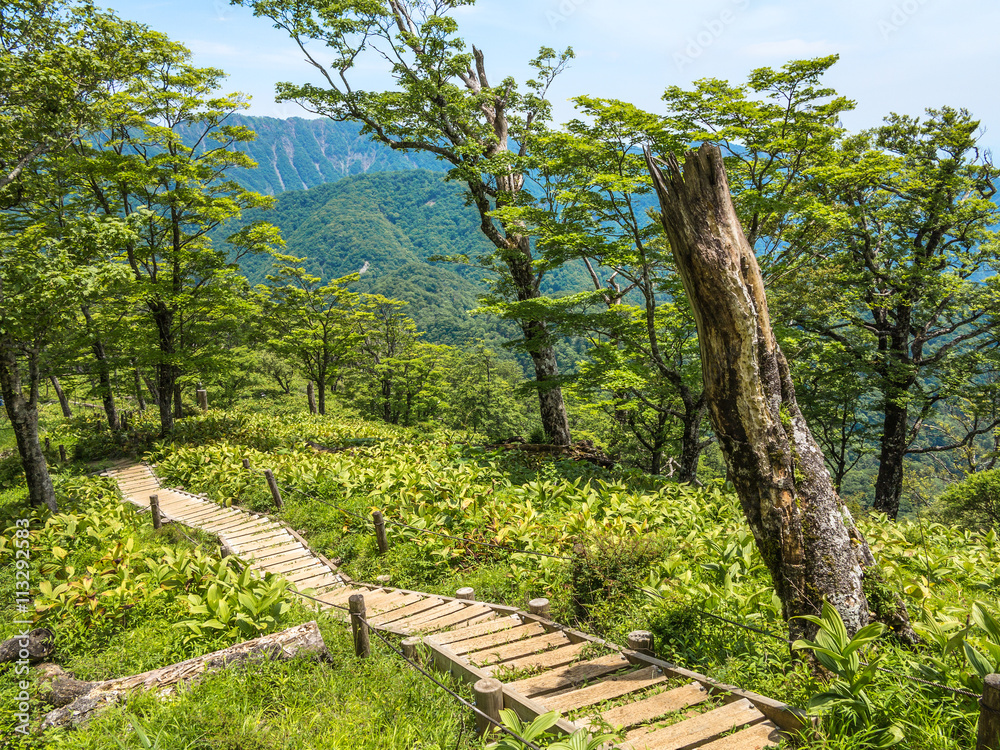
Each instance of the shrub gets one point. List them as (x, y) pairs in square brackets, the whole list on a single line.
[(974, 502)]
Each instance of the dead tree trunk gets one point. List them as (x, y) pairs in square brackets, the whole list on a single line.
[(63, 401), (87, 698), (805, 534)]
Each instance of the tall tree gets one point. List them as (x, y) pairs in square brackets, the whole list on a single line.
[(441, 102), (804, 533), (904, 281), (313, 323), (59, 66), (178, 193)]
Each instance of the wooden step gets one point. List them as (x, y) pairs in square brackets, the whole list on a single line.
[(268, 552), (648, 709), (417, 622), (568, 676), (607, 689), (535, 645), (492, 640), (472, 631), (399, 614), (706, 726), (466, 614), (756, 737), (557, 657), (303, 574)]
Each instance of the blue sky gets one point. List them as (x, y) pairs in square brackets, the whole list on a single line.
[(896, 55)]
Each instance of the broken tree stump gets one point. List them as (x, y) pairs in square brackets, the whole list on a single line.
[(302, 640)]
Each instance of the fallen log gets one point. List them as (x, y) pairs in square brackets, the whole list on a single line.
[(87, 699), (582, 450), (33, 646)]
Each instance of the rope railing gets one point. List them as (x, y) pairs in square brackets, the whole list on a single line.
[(378, 633), (744, 626)]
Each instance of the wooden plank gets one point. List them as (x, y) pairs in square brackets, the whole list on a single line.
[(788, 718), (265, 553), (418, 621), (259, 538), (291, 557), (465, 614), (447, 660), (567, 676), (313, 571), (607, 689), (517, 649), (256, 547), (253, 528), (234, 525), (756, 737), (399, 600), (471, 631), (653, 707), (492, 640), (557, 657), (698, 728), (399, 614), (317, 582), (292, 565), (340, 596)]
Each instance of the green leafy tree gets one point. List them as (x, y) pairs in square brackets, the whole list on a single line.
[(179, 193), (313, 324), (904, 283), (60, 65), (440, 102)]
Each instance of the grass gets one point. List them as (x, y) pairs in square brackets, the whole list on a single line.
[(690, 545)]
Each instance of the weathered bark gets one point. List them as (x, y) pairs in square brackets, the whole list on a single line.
[(103, 372), (805, 534), (138, 388), (23, 415), (38, 643), (165, 374), (63, 401), (555, 423), (302, 640), (311, 397), (889, 483), (691, 443)]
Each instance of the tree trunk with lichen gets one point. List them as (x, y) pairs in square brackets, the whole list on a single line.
[(804, 532)]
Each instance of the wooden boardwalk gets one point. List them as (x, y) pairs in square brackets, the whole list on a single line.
[(543, 665)]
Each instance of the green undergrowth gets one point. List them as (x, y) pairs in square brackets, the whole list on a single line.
[(632, 552)]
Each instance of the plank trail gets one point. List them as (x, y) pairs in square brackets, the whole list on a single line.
[(545, 666)]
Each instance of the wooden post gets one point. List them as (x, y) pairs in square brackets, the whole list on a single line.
[(489, 700), (468, 593), (203, 399), (359, 626), (273, 484), (48, 444), (224, 549), (410, 647), (989, 714), (539, 607), (641, 641), (154, 508), (62, 453), (246, 463), (380, 538)]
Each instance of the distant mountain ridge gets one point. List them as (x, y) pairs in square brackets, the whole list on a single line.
[(297, 154)]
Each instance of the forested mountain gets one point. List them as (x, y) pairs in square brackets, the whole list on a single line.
[(295, 153), (388, 225)]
